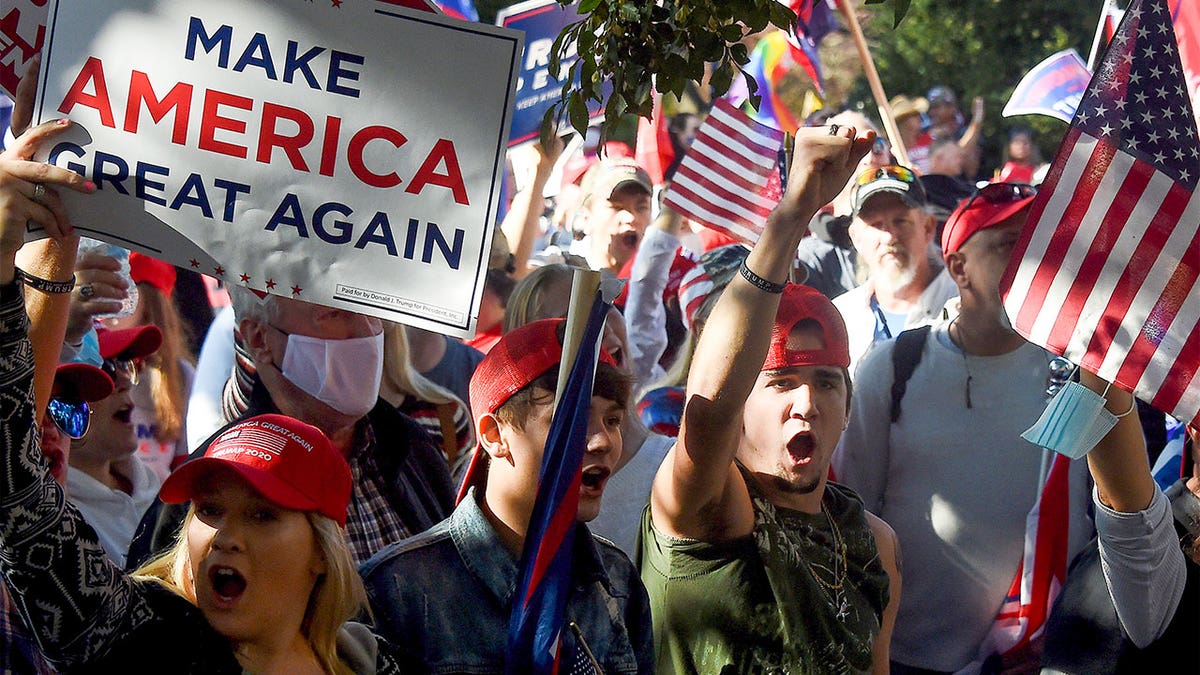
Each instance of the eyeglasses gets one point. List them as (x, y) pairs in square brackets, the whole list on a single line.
[(894, 171), (995, 193), (71, 417), (126, 368)]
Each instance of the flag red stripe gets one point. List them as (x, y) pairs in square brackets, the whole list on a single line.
[(743, 199), (708, 153), (1180, 375), (740, 133), (1036, 209), (1068, 225), (714, 173), (564, 518), (709, 210), (1140, 263), (1112, 224)]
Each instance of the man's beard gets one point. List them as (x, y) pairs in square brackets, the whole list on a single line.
[(899, 271)]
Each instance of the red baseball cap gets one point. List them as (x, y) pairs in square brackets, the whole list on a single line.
[(155, 272), (521, 356), (291, 463), (989, 206), (81, 382), (129, 343), (797, 304)]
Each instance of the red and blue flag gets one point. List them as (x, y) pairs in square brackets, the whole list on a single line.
[(537, 627)]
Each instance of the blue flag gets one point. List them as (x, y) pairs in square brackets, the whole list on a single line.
[(536, 629)]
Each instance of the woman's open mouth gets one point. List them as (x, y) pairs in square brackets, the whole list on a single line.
[(227, 583)]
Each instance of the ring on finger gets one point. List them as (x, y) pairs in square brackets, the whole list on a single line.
[(39, 192), (87, 291), (833, 129)]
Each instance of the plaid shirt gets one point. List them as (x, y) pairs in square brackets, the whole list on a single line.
[(371, 522), (19, 653)]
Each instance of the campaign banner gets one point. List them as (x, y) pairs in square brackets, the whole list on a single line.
[(541, 21), (22, 31), (1053, 87), (342, 153)]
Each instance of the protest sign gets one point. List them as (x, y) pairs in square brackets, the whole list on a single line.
[(343, 153), (537, 90), (1052, 87)]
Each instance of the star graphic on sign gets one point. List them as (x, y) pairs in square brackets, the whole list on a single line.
[(270, 284), (245, 277), (296, 290), (337, 3), (219, 270), (194, 263)]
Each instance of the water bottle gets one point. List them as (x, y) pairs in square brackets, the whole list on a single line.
[(129, 304)]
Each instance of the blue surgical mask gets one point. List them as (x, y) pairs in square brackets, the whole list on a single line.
[(1073, 423)]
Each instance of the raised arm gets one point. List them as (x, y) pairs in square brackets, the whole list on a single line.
[(1142, 561), (58, 575), (521, 222), (698, 492)]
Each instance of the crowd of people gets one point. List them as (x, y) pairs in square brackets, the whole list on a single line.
[(773, 432)]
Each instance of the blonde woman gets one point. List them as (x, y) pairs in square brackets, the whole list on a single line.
[(442, 414)]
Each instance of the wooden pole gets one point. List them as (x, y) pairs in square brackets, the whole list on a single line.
[(881, 100)]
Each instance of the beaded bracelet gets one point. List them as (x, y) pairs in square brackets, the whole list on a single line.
[(761, 283), (45, 285)]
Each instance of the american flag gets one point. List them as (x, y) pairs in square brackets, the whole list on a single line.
[(814, 20), (729, 179), (1106, 272), (537, 626)]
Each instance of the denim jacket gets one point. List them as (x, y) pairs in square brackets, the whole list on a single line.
[(446, 595)]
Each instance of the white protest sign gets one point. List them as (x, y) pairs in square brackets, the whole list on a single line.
[(345, 152)]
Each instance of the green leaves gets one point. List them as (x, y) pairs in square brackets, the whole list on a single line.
[(629, 42)]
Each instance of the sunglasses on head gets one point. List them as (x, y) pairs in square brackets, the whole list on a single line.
[(126, 368), (893, 171), (71, 417), (997, 193)]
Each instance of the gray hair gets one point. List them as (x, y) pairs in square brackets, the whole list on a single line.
[(247, 305)]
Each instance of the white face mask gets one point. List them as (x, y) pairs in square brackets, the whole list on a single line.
[(343, 374)]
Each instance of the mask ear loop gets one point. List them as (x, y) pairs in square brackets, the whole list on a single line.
[(1132, 399)]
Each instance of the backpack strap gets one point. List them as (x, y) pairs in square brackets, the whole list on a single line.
[(906, 356)]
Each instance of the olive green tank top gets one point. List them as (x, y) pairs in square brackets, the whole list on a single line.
[(804, 593)]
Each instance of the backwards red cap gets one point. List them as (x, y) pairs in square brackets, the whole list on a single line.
[(797, 304), (980, 214), (290, 463), (521, 356)]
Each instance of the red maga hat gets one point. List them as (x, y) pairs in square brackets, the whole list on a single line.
[(988, 207), (155, 272), (81, 382), (290, 463), (129, 343)]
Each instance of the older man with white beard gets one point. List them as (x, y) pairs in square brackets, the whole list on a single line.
[(892, 232)]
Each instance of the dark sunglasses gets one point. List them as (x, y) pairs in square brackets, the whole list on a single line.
[(71, 417), (124, 367), (997, 193), (897, 172)]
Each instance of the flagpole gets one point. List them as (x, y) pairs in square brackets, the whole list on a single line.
[(584, 285), (885, 110), (1099, 37)]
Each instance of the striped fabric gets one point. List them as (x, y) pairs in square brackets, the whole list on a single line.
[(1106, 273), (729, 179)]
